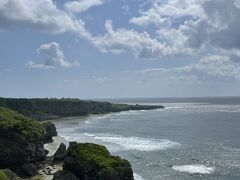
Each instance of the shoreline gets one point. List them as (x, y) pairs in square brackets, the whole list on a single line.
[(57, 140), (52, 147)]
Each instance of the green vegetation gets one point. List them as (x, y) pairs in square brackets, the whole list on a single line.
[(47, 124), (3, 176), (95, 154), (21, 140), (49, 128), (6, 174), (92, 161), (42, 109), (12, 122)]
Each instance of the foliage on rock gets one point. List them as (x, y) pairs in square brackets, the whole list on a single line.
[(49, 131), (96, 162), (12, 122), (3, 176)]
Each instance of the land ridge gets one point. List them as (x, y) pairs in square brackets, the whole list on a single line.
[(52, 108)]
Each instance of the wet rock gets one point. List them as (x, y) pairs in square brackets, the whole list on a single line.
[(60, 153), (29, 169), (46, 152)]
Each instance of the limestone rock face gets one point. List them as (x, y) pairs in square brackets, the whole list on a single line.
[(94, 162), (49, 131), (60, 153), (21, 139), (64, 175)]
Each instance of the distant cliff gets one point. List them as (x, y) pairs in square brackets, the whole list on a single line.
[(42, 109)]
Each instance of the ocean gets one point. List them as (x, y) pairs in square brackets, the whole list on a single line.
[(192, 138)]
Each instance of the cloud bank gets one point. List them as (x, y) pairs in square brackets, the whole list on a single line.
[(204, 29), (41, 15)]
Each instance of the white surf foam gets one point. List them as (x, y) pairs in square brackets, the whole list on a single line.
[(69, 137), (194, 169), (127, 113), (168, 108), (94, 119), (97, 117), (135, 143), (137, 177)]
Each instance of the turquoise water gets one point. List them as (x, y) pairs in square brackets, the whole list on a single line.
[(193, 138)]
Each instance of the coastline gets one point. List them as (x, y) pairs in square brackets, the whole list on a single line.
[(44, 142), (52, 147), (43, 109), (57, 140)]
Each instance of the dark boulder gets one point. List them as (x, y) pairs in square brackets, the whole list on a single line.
[(49, 131), (94, 162), (72, 143), (29, 169), (46, 152), (64, 175), (60, 153)]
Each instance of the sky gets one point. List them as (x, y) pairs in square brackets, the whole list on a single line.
[(119, 48)]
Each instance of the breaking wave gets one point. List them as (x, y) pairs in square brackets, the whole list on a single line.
[(194, 169), (135, 143), (137, 177)]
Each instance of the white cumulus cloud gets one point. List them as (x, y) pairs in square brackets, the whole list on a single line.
[(52, 57), (41, 15), (140, 44)]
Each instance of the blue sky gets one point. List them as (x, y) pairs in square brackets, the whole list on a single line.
[(119, 48)]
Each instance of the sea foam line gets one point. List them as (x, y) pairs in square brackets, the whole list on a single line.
[(135, 143), (137, 177), (194, 169)]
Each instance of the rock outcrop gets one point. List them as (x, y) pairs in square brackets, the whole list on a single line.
[(60, 153), (21, 139), (72, 143), (94, 162), (64, 175), (29, 169), (49, 131)]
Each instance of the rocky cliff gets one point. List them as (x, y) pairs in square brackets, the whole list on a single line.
[(21, 141)]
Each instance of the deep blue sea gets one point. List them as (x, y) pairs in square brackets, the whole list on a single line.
[(192, 138)]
